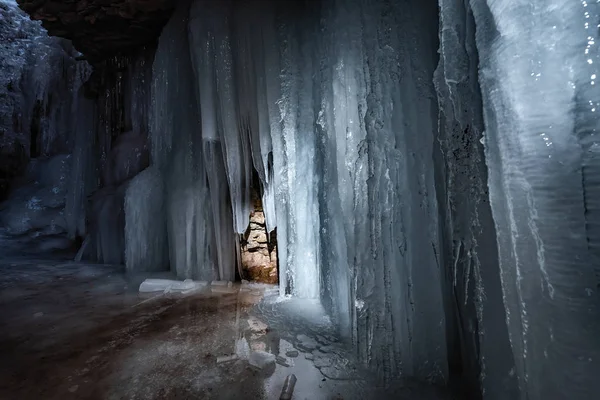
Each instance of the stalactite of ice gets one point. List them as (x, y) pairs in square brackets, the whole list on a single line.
[(341, 111), (251, 23), (137, 93), (233, 128), (301, 267), (276, 195), (536, 94)]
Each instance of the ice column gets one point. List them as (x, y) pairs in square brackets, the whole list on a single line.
[(177, 154), (536, 95), (300, 270), (202, 42)]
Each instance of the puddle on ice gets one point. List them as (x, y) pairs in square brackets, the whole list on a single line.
[(113, 343)]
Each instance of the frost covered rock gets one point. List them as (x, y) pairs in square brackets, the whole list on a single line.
[(36, 97), (34, 212), (37, 108)]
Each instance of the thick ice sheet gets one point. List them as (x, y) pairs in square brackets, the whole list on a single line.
[(538, 78)]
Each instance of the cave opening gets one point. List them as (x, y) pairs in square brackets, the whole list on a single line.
[(258, 245)]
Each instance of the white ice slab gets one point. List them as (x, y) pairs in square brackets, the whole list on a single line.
[(171, 286)]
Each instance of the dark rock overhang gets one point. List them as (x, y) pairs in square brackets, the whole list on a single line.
[(102, 28)]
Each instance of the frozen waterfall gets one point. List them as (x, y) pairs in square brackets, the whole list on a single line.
[(431, 170), (339, 124), (375, 156)]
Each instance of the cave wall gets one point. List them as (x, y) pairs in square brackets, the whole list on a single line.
[(40, 79)]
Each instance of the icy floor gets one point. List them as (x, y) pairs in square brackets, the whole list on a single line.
[(72, 331)]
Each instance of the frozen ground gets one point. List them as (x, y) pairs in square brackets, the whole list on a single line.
[(73, 331)]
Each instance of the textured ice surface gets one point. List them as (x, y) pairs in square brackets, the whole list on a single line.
[(538, 76)]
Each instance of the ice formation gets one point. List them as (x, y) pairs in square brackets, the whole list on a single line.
[(538, 79), (443, 207), (344, 159)]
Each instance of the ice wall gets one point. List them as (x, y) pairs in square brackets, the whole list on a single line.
[(380, 181), (538, 64), (203, 53)]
